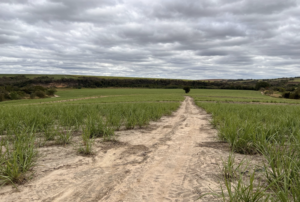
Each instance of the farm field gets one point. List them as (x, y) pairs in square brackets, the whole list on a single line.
[(271, 131), (148, 144), (234, 96), (70, 95)]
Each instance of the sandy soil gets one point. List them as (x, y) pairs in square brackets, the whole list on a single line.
[(175, 159)]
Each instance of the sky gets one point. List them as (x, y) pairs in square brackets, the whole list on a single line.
[(180, 39)]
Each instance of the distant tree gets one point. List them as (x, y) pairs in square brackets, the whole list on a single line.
[(32, 95), (14, 95), (39, 88), (261, 84), (286, 94), (40, 94), (186, 89), (51, 91), (2, 97)]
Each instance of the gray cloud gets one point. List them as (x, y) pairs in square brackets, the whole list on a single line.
[(170, 39)]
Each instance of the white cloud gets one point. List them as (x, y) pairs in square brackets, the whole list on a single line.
[(171, 38)]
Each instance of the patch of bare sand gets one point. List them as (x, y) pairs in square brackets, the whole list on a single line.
[(174, 159)]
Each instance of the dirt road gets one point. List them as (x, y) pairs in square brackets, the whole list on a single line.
[(175, 159)]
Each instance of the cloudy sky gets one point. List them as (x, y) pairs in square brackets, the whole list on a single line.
[(185, 39)]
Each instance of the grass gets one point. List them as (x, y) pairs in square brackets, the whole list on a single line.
[(270, 130), (115, 95), (57, 122), (17, 157), (216, 95), (109, 95), (87, 147), (245, 127)]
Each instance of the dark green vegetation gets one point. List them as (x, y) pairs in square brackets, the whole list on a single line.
[(186, 89), (261, 84), (20, 86), (13, 88), (237, 96), (27, 124), (272, 131), (101, 82), (295, 94)]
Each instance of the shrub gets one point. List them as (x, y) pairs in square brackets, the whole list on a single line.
[(39, 88), (286, 95), (77, 87), (294, 95), (186, 89), (14, 95), (51, 92), (28, 89), (40, 94), (1, 97), (32, 95)]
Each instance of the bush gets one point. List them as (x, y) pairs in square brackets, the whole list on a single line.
[(28, 89), (286, 95), (1, 97), (32, 95), (39, 88), (40, 94), (186, 89), (14, 95), (21, 94), (292, 96), (51, 92), (281, 89)]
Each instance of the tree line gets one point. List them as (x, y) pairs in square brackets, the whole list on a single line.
[(17, 87)]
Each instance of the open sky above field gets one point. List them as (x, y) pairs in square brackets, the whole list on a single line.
[(205, 39)]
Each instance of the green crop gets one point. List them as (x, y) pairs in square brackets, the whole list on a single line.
[(56, 122), (272, 131)]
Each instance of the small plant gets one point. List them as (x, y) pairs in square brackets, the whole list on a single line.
[(49, 134), (86, 148), (244, 191), (230, 170), (130, 123), (17, 158), (63, 137), (186, 89), (109, 133), (235, 189)]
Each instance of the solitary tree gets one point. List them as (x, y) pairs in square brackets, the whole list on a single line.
[(186, 89)]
